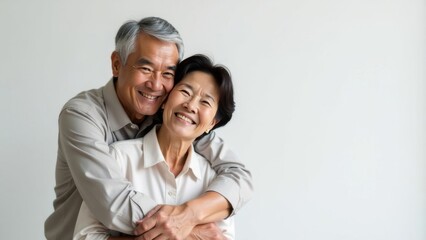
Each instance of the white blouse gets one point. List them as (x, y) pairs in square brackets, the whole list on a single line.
[(143, 165)]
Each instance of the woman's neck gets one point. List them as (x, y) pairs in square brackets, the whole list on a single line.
[(175, 150)]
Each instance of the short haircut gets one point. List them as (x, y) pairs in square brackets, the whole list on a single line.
[(153, 26)]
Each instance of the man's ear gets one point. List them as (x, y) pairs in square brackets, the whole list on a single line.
[(115, 63)]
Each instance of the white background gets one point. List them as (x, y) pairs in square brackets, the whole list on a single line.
[(330, 106)]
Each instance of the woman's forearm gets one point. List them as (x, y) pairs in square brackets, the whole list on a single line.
[(209, 207)]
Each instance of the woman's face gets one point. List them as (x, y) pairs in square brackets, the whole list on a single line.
[(192, 105)]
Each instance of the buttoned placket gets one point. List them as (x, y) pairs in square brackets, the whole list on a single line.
[(170, 189)]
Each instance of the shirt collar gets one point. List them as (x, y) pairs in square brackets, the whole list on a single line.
[(117, 117), (155, 156), (192, 163), (151, 149)]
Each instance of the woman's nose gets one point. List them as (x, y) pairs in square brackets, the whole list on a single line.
[(191, 105)]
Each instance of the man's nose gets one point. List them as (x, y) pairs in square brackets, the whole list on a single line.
[(155, 81)]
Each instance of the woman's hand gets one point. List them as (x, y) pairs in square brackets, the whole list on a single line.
[(177, 222), (166, 222)]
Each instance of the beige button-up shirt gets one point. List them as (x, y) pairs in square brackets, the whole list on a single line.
[(88, 124)]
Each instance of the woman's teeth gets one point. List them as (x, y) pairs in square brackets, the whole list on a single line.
[(184, 118)]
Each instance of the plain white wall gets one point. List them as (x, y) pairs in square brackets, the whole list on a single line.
[(330, 106)]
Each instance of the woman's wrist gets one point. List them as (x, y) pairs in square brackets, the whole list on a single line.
[(209, 207)]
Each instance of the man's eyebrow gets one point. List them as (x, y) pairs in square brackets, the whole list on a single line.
[(144, 61)]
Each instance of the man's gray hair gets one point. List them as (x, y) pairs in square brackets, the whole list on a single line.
[(153, 26)]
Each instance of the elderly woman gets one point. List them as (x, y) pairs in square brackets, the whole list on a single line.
[(163, 164)]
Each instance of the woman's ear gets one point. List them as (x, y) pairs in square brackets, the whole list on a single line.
[(115, 63), (212, 124)]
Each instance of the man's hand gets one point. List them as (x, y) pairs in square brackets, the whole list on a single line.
[(166, 222), (208, 231)]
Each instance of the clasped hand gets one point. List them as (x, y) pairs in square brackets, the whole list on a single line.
[(176, 223)]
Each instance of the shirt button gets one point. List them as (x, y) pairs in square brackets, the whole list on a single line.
[(172, 194), (134, 126)]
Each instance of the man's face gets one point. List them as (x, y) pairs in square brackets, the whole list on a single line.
[(146, 78)]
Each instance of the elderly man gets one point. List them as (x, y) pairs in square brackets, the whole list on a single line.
[(143, 66)]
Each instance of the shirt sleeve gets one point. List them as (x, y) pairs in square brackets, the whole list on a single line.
[(88, 228), (233, 181), (97, 176)]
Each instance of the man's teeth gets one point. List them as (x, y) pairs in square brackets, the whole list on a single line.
[(184, 118), (148, 96)]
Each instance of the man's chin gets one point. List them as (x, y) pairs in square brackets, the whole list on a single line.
[(149, 112)]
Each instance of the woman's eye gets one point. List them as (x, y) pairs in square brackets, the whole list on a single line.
[(207, 103), (184, 92)]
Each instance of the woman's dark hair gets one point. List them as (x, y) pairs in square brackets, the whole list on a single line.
[(223, 80)]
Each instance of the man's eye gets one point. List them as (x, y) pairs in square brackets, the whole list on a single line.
[(145, 70), (168, 75)]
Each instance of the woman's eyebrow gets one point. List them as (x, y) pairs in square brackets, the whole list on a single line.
[(187, 85), (210, 97)]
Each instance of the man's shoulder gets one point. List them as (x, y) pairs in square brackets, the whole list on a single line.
[(86, 101), (128, 149), (125, 145), (202, 161)]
